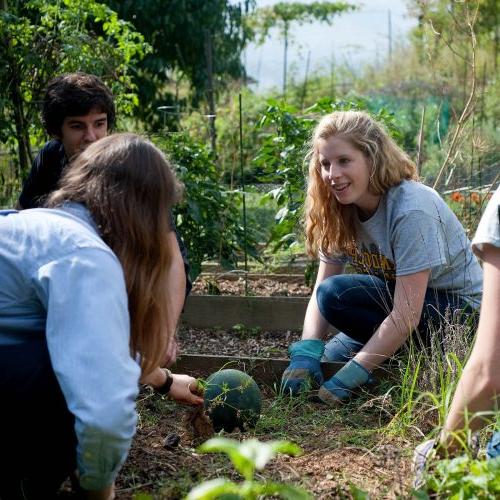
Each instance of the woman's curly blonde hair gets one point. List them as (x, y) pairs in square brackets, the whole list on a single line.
[(330, 226)]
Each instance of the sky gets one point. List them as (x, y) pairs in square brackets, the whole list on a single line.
[(354, 37)]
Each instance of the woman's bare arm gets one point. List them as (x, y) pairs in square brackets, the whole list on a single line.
[(393, 332), (479, 384)]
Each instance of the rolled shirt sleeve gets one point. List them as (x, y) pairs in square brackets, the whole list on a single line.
[(88, 332), (339, 259), (488, 230)]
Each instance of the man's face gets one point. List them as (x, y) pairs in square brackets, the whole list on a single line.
[(77, 132)]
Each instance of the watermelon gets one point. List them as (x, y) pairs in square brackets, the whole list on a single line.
[(232, 399)]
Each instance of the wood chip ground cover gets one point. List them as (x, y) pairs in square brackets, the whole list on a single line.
[(259, 287)]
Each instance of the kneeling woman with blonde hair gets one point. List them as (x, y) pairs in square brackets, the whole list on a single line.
[(411, 256), (87, 290)]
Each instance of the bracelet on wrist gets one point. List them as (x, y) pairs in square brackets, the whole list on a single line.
[(164, 389)]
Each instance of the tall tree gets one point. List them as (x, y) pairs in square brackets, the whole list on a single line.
[(196, 44), (283, 14), (40, 39)]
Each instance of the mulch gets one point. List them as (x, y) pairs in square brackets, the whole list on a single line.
[(257, 287)]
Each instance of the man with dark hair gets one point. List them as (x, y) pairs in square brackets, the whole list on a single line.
[(78, 109)]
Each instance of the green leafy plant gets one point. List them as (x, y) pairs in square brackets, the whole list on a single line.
[(247, 457), (281, 158), (463, 477), (208, 218), (212, 287), (245, 332), (358, 493)]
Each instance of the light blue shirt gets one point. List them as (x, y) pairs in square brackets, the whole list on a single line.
[(58, 279)]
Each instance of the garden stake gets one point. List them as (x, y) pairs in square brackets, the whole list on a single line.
[(420, 142), (243, 192)]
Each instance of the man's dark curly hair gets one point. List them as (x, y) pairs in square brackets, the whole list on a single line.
[(75, 94)]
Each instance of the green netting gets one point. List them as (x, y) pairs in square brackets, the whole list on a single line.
[(408, 112)]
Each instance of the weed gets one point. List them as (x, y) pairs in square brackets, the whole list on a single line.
[(245, 332), (310, 273), (280, 416), (184, 482), (428, 376), (463, 477), (212, 287), (357, 493), (151, 408)]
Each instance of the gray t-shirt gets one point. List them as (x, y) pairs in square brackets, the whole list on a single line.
[(488, 230), (413, 230)]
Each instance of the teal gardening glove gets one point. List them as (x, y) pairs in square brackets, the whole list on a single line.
[(351, 376), (304, 370)]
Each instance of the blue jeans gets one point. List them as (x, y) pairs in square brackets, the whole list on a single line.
[(37, 437), (356, 304), (493, 447)]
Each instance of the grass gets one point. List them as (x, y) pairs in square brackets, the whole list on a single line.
[(428, 377), (293, 419), (316, 428)]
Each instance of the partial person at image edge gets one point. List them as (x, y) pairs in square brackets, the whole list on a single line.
[(476, 396), (87, 289)]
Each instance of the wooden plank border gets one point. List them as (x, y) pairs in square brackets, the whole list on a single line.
[(225, 311), (266, 371)]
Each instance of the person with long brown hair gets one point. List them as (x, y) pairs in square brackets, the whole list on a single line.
[(410, 255), (85, 312)]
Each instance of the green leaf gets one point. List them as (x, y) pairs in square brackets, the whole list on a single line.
[(250, 454), (287, 491), (357, 493), (243, 464), (142, 496), (419, 495), (219, 444), (214, 489)]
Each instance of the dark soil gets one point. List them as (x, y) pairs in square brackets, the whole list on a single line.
[(244, 342), (341, 446), (334, 458)]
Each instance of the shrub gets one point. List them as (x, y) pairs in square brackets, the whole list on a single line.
[(208, 218)]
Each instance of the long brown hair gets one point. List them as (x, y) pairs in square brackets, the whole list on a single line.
[(128, 187), (330, 225)]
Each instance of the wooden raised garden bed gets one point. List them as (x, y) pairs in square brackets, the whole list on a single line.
[(272, 313)]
